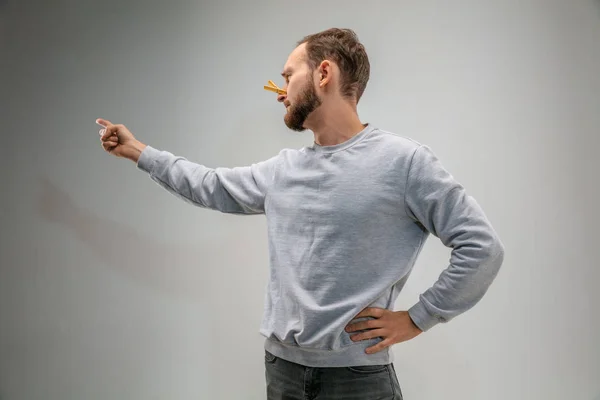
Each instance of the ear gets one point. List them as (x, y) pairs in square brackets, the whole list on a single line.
[(325, 73)]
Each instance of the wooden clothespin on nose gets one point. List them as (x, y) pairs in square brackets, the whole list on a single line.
[(274, 88)]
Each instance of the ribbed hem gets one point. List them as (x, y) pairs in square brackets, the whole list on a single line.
[(353, 355), (421, 317), (147, 159)]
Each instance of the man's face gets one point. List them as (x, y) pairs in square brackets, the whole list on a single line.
[(304, 103), (302, 98)]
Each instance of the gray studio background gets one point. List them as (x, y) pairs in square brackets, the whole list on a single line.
[(111, 288)]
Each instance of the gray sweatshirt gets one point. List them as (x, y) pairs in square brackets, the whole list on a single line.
[(345, 226)]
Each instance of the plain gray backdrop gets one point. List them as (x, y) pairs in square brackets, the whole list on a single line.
[(111, 288)]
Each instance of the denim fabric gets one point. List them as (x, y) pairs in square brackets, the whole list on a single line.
[(290, 381)]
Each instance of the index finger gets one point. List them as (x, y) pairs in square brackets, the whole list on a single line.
[(370, 312), (103, 122)]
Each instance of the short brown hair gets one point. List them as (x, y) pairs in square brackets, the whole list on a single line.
[(342, 47)]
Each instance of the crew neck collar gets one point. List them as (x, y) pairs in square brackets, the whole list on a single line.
[(344, 145)]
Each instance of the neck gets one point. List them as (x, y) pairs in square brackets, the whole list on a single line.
[(334, 124)]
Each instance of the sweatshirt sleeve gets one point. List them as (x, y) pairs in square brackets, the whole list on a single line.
[(239, 190), (440, 204)]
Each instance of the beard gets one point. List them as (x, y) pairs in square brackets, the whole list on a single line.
[(307, 102)]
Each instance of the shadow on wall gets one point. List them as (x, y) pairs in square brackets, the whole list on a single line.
[(173, 269)]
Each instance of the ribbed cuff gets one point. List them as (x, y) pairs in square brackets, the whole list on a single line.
[(421, 317), (147, 158)]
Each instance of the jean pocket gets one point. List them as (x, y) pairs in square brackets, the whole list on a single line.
[(270, 358), (368, 369)]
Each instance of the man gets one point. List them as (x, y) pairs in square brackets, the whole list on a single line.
[(347, 218)]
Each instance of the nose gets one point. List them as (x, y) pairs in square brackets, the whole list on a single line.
[(281, 98)]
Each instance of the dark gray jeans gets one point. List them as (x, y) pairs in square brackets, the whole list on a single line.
[(289, 381)]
